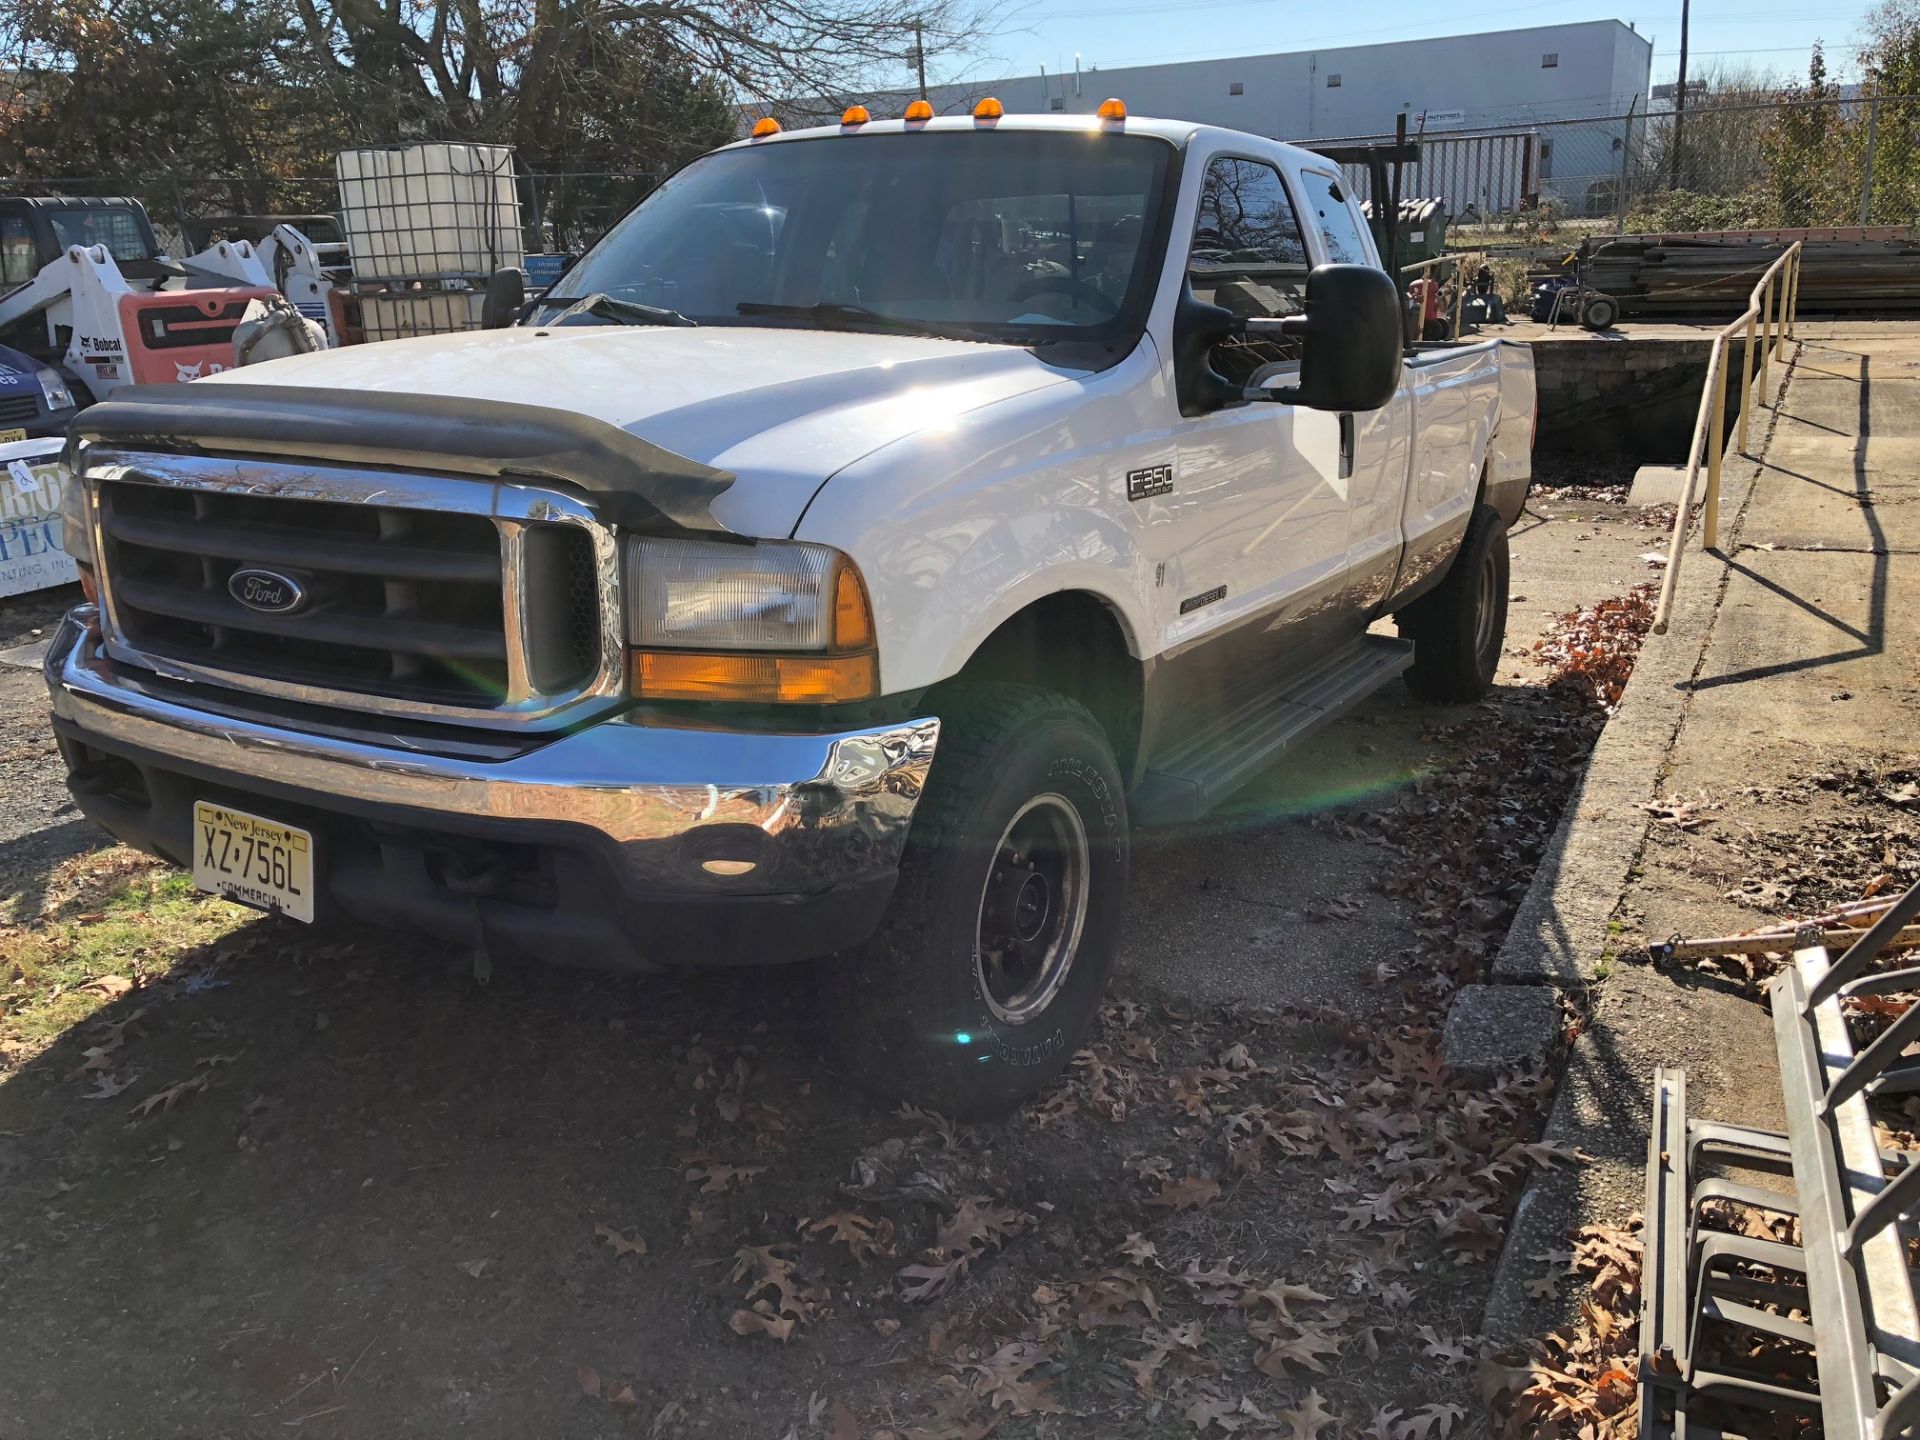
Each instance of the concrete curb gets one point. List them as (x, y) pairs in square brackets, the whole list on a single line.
[(1560, 936)]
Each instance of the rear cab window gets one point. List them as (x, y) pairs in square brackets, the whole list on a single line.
[(1330, 211), (18, 262), (117, 227)]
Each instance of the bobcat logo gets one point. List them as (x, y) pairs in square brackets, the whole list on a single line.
[(188, 372)]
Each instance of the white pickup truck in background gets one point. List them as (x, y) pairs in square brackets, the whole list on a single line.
[(835, 565)]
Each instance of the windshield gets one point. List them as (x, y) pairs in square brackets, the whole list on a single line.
[(1021, 237), (114, 226)]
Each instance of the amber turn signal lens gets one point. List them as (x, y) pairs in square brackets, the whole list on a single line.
[(989, 109), (1113, 109), (766, 125), (754, 679), (919, 110), (852, 614), (854, 115)]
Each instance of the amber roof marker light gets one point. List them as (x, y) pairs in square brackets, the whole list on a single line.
[(1113, 108), (854, 115), (918, 110), (989, 109), (766, 125)]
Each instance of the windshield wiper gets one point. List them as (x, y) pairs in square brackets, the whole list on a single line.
[(626, 312), (838, 314)]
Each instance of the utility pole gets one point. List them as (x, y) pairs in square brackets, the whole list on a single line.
[(1680, 97), (920, 58)]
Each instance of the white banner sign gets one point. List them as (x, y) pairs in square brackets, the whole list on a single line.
[(33, 553)]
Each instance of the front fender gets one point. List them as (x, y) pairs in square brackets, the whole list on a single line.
[(957, 528)]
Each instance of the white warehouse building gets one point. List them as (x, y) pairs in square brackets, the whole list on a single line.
[(1502, 81)]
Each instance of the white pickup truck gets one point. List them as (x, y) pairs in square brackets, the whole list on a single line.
[(836, 564)]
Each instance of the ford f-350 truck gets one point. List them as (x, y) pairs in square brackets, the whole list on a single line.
[(837, 564)]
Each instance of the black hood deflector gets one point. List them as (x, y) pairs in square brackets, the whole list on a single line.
[(628, 481)]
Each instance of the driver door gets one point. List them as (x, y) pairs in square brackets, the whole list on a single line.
[(1265, 543)]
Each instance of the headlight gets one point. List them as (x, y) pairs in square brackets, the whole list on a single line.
[(774, 621), (58, 396), (76, 536)]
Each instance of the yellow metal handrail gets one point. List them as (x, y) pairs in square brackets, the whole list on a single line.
[(1774, 307)]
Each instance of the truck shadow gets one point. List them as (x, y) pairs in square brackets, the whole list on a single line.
[(337, 1139)]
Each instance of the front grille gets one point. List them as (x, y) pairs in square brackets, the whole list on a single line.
[(20, 411), (403, 603)]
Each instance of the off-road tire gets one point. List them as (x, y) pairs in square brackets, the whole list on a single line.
[(912, 1013), (1458, 627)]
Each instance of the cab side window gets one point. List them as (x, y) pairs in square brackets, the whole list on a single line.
[(1329, 211), (1248, 256)]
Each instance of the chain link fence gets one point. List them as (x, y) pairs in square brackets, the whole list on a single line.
[(562, 212), (1727, 163), (1730, 162)]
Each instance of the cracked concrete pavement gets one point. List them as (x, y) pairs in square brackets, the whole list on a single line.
[(1791, 655)]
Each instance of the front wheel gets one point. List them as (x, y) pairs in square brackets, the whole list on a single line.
[(989, 967), (1459, 626)]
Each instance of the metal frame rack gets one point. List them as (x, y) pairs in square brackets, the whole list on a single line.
[(1847, 1289)]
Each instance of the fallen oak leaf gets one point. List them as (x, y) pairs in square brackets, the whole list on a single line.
[(99, 1060), (1547, 1155), (1431, 1422), (719, 1178), (1441, 1347), (978, 1224), (165, 1099), (759, 1322), (1195, 1191), (1309, 1419), (619, 1243), (930, 1282), (107, 1086), (1003, 1382), (1304, 1350), (863, 1238), (1149, 1167)]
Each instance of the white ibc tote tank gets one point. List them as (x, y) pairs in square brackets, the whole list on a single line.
[(441, 210)]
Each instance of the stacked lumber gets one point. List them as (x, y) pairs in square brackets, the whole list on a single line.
[(1710, 275)]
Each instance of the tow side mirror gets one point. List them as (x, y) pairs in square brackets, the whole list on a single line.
[(1350, 340), (506, 293)]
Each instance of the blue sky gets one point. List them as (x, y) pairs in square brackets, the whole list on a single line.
[(1766, 34)]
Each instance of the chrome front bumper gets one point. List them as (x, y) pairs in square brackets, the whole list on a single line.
[(702, 814)]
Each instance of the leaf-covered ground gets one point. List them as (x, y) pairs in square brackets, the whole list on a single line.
[(258, 1180)]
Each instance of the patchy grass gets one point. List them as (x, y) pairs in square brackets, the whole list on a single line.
[(108, 923)]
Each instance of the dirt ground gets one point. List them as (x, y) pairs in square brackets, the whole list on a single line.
[(259, 1180)]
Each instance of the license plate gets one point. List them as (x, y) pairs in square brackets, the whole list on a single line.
[(257, 862), (7, 437)]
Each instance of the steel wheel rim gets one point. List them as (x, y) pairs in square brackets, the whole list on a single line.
[(1483, 611), (1033, 908)]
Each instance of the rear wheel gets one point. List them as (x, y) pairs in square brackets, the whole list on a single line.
[(1458, 627), (987, 972)]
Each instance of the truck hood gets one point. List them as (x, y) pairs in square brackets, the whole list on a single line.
[(782, 409)]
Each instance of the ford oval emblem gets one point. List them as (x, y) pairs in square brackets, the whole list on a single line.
[(266, 590)]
